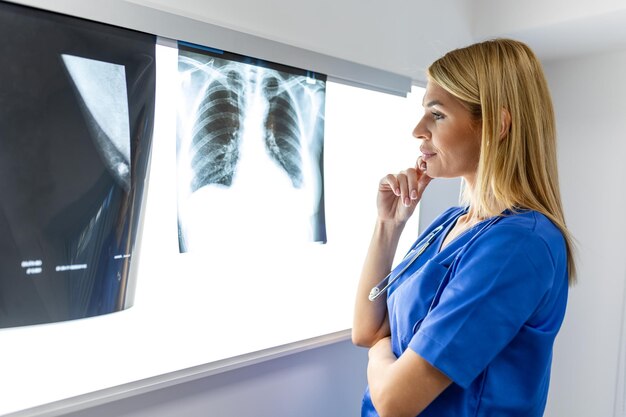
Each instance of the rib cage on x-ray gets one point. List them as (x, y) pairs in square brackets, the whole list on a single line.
[(245, 126), (282, 127), (219, 118), (217, 131)]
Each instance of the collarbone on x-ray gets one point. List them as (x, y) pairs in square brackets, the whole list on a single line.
[(256, 132), (238, 100)]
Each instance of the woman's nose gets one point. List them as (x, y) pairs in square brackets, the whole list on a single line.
[(420, 131)]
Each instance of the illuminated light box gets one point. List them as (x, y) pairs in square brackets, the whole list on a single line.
[(249, 151), (242, 297), (76, 116)]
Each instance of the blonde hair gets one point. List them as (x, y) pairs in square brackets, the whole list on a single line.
[(520, 169)]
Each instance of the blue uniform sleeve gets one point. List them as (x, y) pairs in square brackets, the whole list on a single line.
[(494, 288)]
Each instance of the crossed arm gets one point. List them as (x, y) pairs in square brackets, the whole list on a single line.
[(401, 386)]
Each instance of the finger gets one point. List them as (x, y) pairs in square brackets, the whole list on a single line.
[(413, 177), (403, 183), (418, 182), (423, 182), (420, 165), (423, 179), (390, 182)]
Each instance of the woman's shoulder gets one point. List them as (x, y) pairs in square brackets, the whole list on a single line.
[(531, 225), (521, 237)]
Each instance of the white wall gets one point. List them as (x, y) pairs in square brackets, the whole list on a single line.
[(589, 95), (554, 28), (327, 381)]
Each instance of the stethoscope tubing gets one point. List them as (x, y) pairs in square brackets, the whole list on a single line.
[(420, 248), (377, 291)]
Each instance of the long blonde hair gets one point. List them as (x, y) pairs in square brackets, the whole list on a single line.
[(518, 170)]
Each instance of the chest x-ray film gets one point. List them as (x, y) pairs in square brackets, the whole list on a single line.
[(249, 151), (76, 116)]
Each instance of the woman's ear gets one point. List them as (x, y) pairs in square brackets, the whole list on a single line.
[(505, 127)]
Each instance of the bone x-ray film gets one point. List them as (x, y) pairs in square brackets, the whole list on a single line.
[(76, 117), (249, 151)]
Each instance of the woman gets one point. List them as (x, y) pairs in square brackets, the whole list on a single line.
[(467, 328)]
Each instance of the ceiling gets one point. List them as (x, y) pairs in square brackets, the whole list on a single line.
[(555, 29), (404, 36), (398, 36)]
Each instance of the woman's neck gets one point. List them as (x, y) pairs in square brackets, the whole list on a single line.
[(473, 214)]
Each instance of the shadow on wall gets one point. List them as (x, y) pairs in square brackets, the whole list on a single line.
[(327, 381)]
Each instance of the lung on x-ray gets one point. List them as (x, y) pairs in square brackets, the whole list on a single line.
[(76, 115), (249, 151)]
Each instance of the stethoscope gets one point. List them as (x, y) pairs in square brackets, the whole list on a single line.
[(414, 254), (377, 291)]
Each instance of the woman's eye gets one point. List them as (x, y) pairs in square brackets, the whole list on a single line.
[(437, 115)]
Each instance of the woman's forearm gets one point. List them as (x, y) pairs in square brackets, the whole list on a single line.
[(402, 386), (370, 317)]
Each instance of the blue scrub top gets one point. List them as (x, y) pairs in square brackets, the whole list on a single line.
[(484, 311)]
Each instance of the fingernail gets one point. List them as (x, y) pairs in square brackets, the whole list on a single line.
[(396, 191), (407, 201), (423, 166), (413, 194)]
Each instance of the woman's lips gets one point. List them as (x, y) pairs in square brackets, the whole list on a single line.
[(427, 155)]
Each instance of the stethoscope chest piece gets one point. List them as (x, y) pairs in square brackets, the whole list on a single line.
[(374, 292), (377, 291), (384, 284)]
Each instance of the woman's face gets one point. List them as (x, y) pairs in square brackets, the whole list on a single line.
[(451, 137)]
